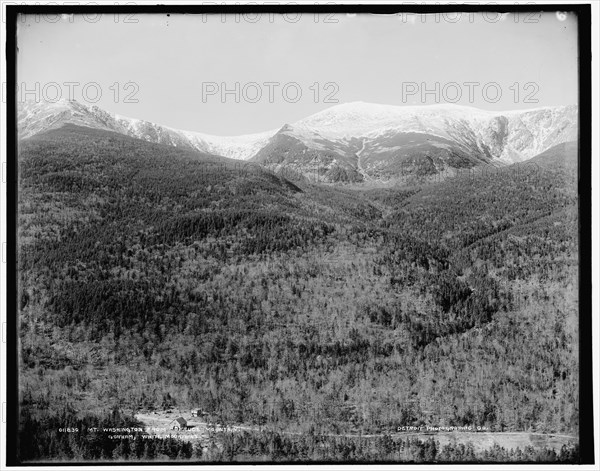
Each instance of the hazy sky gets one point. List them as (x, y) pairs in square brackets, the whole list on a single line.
[(177, 66)]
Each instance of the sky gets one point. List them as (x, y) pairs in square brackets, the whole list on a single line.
[(231, 75)]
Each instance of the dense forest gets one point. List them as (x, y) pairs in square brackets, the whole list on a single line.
[(152, 278)]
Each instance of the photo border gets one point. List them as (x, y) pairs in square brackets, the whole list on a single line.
[(583, 12)]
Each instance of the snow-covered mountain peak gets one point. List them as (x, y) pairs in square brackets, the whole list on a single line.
[(509, 136), (360, 119), (38, 116)]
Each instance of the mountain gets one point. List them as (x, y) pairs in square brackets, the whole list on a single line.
[(306, 151), (382, 141), (564, 156), (351, 142), (36, 117)]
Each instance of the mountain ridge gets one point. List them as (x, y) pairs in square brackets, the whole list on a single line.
[(392, 141), (35, 117)]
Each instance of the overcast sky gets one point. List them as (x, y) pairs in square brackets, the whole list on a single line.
[(175, 66)]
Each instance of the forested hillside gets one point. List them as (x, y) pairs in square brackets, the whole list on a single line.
[(152, 277)]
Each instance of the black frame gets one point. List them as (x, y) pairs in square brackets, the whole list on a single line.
[(583, 12)]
